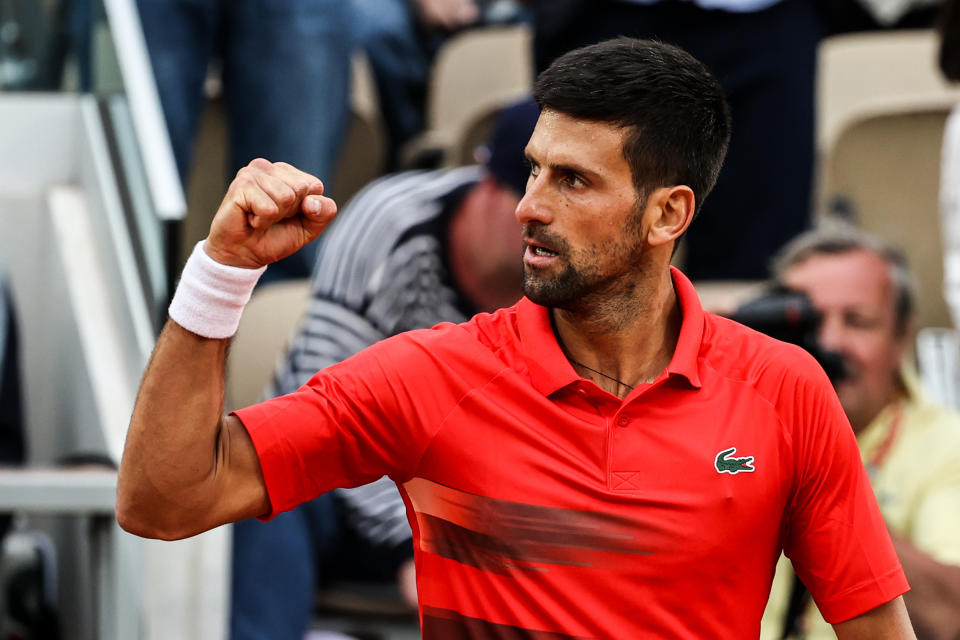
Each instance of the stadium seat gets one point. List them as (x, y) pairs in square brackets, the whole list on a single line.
[(474, 74), (881, 107)]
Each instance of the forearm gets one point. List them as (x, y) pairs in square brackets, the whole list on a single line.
[(934, 597), (171, 448), (185, 467)]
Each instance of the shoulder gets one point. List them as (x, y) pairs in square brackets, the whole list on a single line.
[(444, 361), (409, 187), (738, 352), (400, 200), (486, 344), (352, 252), (493, 333), (783, 375)]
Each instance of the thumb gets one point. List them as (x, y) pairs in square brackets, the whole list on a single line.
[(318, 212)]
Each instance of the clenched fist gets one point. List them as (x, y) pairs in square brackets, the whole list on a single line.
[(270, 211)]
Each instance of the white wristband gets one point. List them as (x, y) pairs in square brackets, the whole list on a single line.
[(210, 297)]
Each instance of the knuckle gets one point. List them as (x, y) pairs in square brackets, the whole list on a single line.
[(287, 197), (245, 177)]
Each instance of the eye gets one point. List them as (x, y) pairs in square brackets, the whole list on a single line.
[(857, 320), (572, 180)]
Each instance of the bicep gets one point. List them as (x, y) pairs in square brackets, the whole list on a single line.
[(889, 621)]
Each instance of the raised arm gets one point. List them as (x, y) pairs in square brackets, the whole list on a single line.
[(187, 468)]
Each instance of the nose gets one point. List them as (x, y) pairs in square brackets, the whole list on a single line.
[(534, 205)]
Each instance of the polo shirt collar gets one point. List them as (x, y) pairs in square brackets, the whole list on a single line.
[(549, 368)]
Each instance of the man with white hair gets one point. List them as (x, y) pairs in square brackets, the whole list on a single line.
[(911, 448)]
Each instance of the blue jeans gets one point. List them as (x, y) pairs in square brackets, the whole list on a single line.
[(286, 79), (400, 57), (277, 566)]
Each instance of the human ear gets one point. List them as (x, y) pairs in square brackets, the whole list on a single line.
[(671, 211)]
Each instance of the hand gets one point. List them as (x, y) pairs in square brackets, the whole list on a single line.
[(447, 14), (270, 211)]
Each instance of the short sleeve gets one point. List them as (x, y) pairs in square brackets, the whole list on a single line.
[(835, 535), (371, 415)]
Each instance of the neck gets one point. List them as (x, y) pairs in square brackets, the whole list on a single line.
[(483, 249), (621, 344)]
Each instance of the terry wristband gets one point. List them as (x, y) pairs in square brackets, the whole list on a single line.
[(210, 296)]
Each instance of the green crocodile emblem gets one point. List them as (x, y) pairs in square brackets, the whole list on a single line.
[(733, 465)]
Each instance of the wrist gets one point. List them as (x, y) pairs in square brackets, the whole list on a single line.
[(211, 296), (226, 258)]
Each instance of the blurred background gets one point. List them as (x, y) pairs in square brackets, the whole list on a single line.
[(121, 123)]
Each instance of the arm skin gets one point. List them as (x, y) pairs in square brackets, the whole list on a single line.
[(934, 596), (887, 622), (187, 468)]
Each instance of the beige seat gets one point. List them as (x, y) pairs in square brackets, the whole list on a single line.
[(865, 74), (475, 73), (266, 327), (269, 321), (887, 167), (881, 107)]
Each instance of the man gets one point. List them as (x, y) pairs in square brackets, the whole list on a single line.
[(603, 459), (763, 52), (911, 448), (410, 251)]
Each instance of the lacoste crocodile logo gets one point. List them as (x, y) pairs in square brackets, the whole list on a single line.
[(733, 465)]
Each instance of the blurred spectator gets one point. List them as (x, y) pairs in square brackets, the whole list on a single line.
[(411, 250), (286, 81), (11, 404), (15, 597), (949, 27), (764, 54), (911, 448), (401, 38)]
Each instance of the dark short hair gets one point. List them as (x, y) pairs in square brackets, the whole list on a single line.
[(677, 118)]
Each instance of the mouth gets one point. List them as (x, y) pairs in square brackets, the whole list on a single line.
[(540, 250), (537, 254)]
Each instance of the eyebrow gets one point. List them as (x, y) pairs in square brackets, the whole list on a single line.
[(565, 167)]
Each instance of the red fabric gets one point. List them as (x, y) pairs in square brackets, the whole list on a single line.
[(540, 502)]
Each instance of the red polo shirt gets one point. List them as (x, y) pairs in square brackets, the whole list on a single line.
[(543, 506)]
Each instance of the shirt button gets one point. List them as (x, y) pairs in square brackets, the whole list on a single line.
[(623, 421)]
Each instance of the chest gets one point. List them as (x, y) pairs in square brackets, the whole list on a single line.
[(676, 473)]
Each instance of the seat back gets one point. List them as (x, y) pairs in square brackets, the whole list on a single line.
[(865, 74), (882, 105), (475, 74), (268, 323), (887, 169)]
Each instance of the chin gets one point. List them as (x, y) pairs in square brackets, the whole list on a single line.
[(562, 291)]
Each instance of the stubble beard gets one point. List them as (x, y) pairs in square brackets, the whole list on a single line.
[(580, 284), (563, 290)]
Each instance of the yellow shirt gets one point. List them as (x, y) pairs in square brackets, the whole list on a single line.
[(917, 484)]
